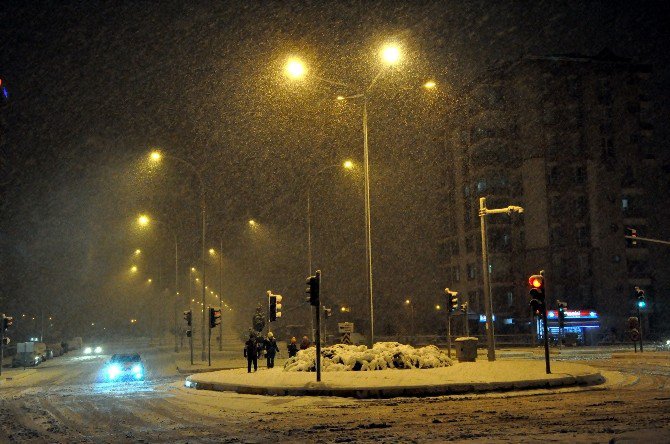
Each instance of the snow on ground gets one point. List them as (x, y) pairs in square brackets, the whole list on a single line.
[(459, 373), (383, 355)]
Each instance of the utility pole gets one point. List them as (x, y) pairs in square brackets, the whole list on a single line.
[(221, 292), (488, 304)]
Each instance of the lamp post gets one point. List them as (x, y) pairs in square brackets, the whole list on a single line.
[(144, 220), (390, 54), (488, 304), (156, 156), (348, 165)]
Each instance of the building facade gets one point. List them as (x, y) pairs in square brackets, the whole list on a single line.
[(567, 138)]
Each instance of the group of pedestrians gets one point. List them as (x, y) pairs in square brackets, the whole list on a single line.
[(255, 347)]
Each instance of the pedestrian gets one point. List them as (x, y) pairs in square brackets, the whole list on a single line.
[(251, 353), (271, 349), (304, 343), (293, 347)]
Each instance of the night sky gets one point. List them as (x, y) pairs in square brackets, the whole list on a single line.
[(93, 85)]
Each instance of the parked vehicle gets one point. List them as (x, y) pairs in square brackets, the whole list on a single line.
[(26, 355), (56, 349), (75, 343)]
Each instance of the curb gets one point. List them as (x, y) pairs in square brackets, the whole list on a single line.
[(393, 392), (652, 355), (186, 371)]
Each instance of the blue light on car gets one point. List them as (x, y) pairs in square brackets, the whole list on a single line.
[(113, 371)]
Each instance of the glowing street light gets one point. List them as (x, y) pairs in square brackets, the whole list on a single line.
[(138, 252), (253, 223), (133, 269), (149, 280), (143, 220), (155, 156), (295, 69), (348, 165), (212, 251), (429, 84), (391, 54), (438, 307)]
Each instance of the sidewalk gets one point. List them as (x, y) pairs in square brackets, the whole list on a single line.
[(15, 374), (467, 377)]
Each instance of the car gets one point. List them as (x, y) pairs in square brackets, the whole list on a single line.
[(124, 367), (93, 350)]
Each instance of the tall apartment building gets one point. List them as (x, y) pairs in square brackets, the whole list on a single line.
[(568, 139)]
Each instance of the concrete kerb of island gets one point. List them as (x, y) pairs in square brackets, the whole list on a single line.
[(217, 382)]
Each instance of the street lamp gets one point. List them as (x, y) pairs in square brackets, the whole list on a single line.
[(488, 304), (390, 55), (157, 156), (408, 303), (347, 165), (145, 222)]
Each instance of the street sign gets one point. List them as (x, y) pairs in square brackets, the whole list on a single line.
[(345, 327), (346, 338)]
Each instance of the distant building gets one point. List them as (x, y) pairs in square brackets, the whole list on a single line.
[(568, 138)]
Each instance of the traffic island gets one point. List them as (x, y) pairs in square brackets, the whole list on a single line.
[(461, 378)]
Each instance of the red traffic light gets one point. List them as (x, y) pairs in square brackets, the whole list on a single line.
[(536, 281)]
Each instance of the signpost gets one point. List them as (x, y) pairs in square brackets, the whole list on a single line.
[(345, 329)]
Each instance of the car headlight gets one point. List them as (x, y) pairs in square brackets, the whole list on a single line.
[(98, 349), (88, 350), (113, 371)]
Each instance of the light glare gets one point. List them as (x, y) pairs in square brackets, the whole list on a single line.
[(391, 54), (295, 69)]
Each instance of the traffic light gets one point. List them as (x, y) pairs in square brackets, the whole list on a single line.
[(214, 317), (641, 298), (631, 233), (327, 312), (313, 289), (5, 341), (452, 300), (188, 317), (7, 322), (562, 306), (274, 304), (536, 293), (464, 307)]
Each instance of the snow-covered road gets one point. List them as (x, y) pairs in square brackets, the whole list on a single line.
[(62, 402)]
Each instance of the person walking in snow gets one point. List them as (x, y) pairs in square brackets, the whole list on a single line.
[(304, 343), (271, 349), (293, 347), (251, 353)]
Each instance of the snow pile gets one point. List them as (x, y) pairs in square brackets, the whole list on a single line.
[(382, 355)]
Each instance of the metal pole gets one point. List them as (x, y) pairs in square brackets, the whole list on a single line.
[(203, 263), (160, 300), (42, 324), (309, 254), (639, 317), (221, 293), (490, 339), (176, 293), (465, 319), (318, 332), (209, 341), (368, 231), (545, 329), (449, 334)]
